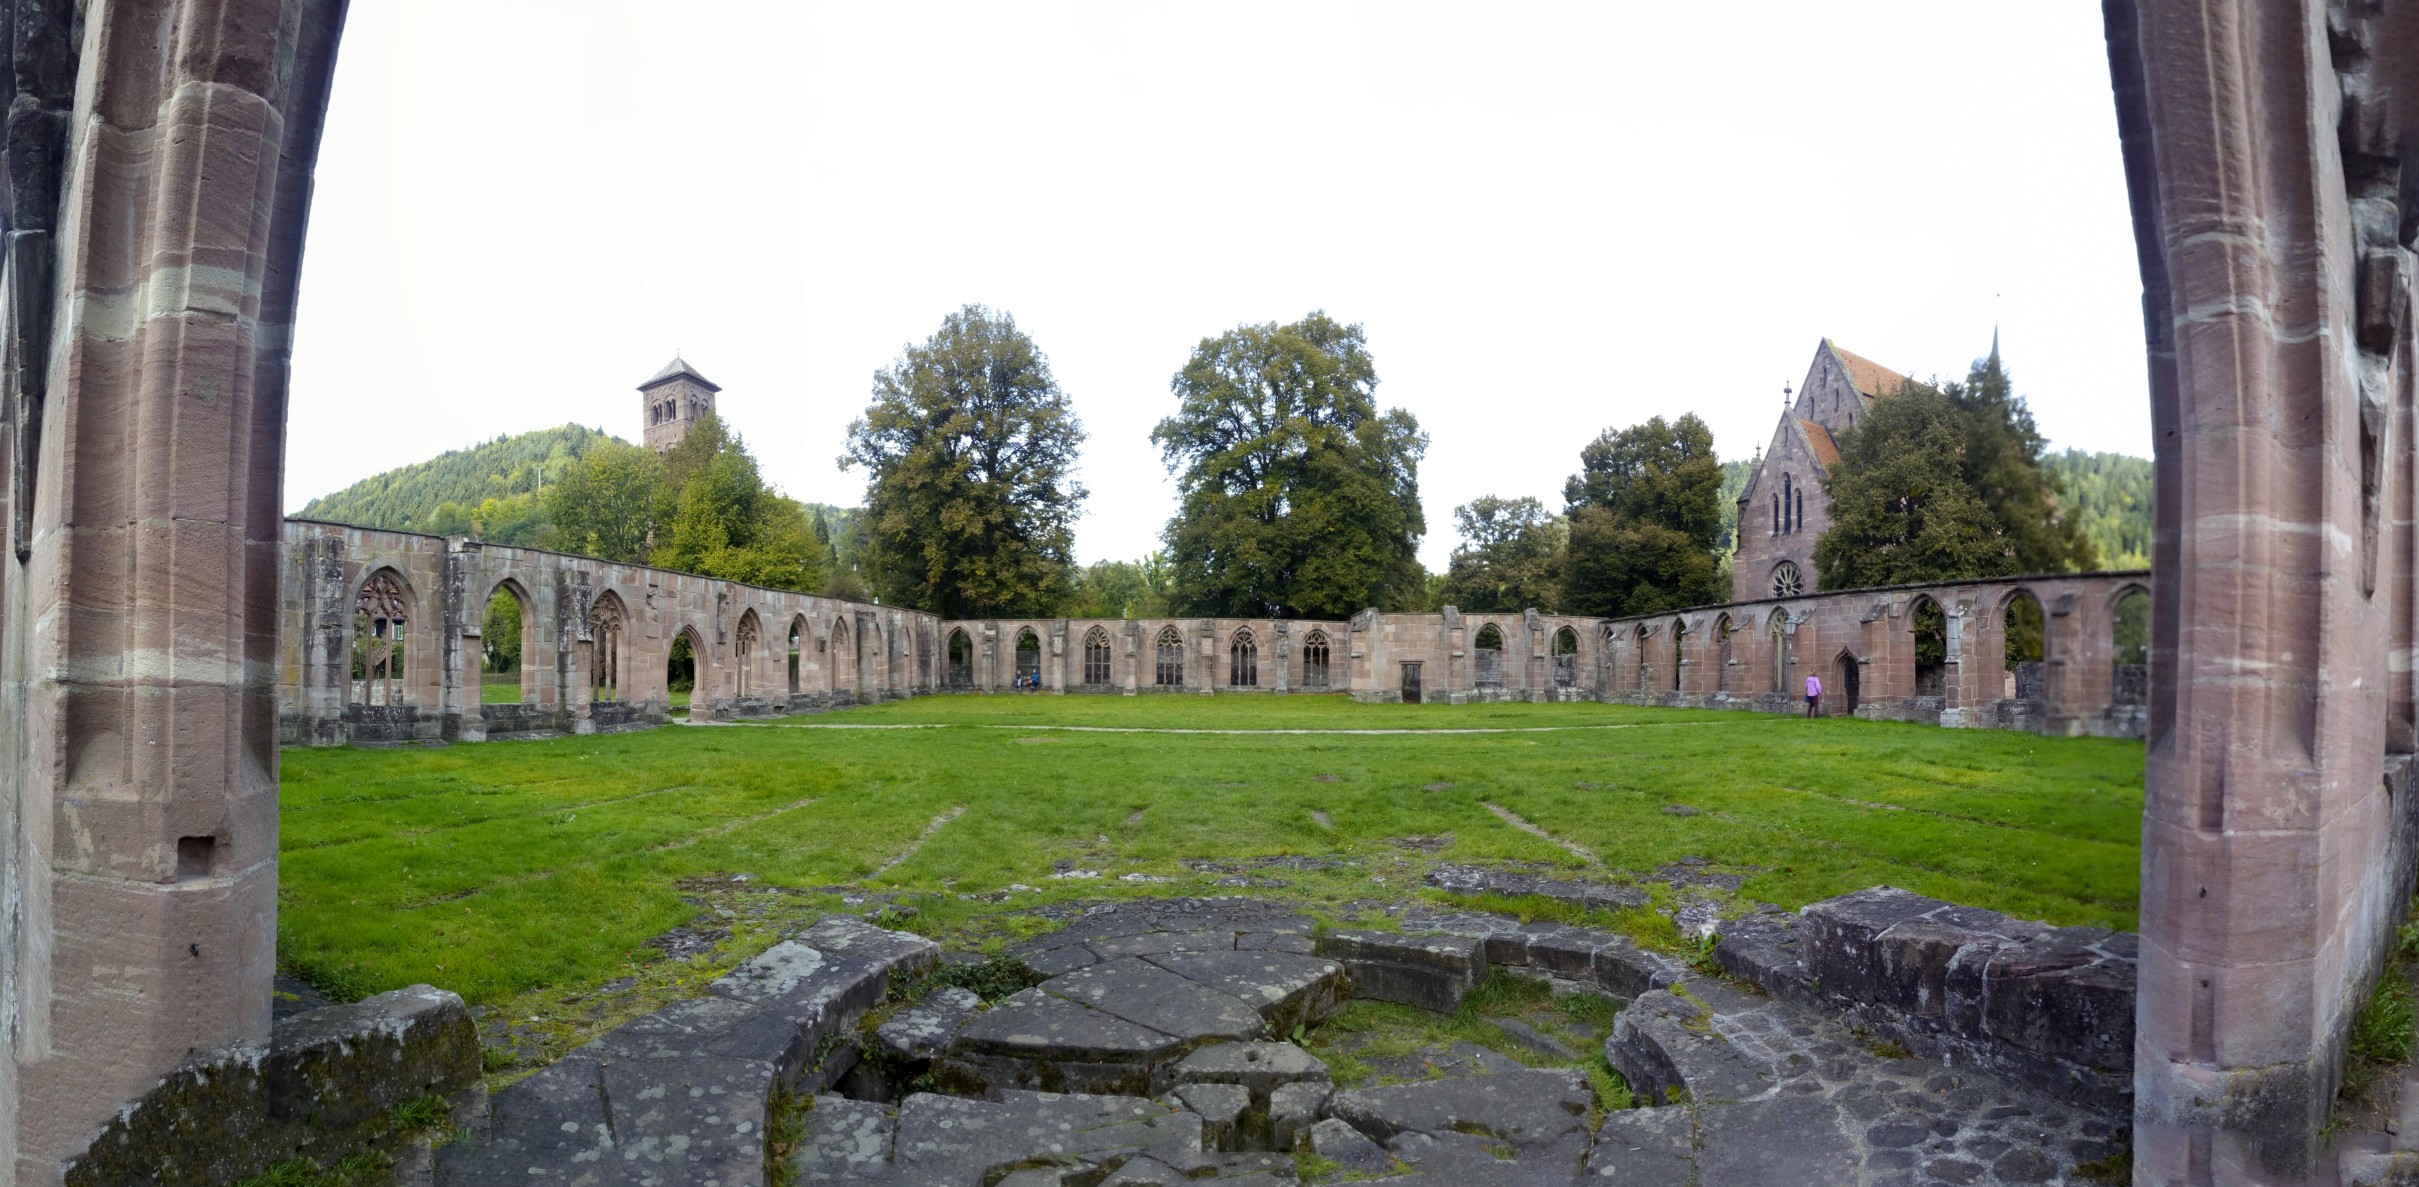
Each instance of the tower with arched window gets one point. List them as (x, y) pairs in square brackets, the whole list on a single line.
[(675, 398)]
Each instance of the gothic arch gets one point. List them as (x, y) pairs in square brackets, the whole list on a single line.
[(380, 646), (608, 646), (1100, 658), (746, 639)]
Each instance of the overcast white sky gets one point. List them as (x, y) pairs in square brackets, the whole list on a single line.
[(1551, 217)]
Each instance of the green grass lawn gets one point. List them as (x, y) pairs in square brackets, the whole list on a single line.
[(514, 868)]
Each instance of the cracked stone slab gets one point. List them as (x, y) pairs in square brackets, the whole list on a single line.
[(1221, 1107), (846, 1141), (1645, 1148), (1147, 995), (922, 1031), (1788, 1141), (1349, 1148), (1527, 1108), (1292, 1108), (1286, 989), (1260, 1068), (944, 1140), (689, 1119)]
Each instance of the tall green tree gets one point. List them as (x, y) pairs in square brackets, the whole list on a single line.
[(1645, 520), (1121, 589), (604, 503), (971, 449), (1943, 482), (1901, 508), (714, 515), (1298, 497), (1510, 557)]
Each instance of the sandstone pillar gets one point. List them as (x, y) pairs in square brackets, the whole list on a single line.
[(154, 238), (2272, 222)]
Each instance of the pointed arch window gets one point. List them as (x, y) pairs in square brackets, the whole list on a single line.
[(1487, 654), (1243, 660), (1169, 671), (605, 650), (1096, 658), (378, 622), (1314, 659)]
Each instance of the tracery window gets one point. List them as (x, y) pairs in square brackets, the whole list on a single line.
[(1314, 659), (1170, 668), (1097, 670), (605, 650), (745, 660), (1780, 651), (378, 622), (1787, 581), (1488, 653), (1243, 660), (1566, 658)]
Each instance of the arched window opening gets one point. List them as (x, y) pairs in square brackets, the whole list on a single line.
[(1780, 652), (1722, 642), (605, 630), (1776, 515), (1097, 662), (2027, 647), (1169, 671), (1243, 660), (379, 613), (743, 657), (680, 671), (1028, 659), (796, 658), (1931, 628), (1566, 658), (2132, 650), (1800, 513), (1679, 651), (1646, 666), (961, 660), (506, 634), (1787, 580), (1788, 516), (1487, 655), (1314, 659)]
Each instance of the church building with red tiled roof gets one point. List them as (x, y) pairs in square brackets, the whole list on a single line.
[(1783, 509)]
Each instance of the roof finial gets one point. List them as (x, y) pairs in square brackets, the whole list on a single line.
[(1785, 394)]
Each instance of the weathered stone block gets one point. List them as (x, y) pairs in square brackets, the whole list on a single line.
[(1431, 972), (1292, 1108), (1260, 1068), (1911, 962), (1838, 949), (1349, 1149), (1221, 1107), (1625, 970), (2062, 1001)]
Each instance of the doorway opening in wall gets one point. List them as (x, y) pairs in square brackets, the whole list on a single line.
[(503, 644), (2027, 649), (680, 673), (1486, 658), (797, 636), (2131, 651), (961, 661), (1566, 658), (1931, 630), (1646, 666), (1851, 680), (1028, 659), (1411, 685), (1679, 650)]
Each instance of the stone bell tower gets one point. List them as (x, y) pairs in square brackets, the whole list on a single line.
[(674, 399)]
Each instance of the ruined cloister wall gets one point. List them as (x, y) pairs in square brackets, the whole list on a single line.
[(741, 636), (1862, 643)]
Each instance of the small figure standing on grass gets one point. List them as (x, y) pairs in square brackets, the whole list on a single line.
[(1814, 693)]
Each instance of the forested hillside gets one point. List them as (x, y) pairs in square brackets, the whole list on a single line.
[(489, 490), (2111, 493)]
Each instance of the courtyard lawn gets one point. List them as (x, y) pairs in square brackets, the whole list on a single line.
[(510, 868)]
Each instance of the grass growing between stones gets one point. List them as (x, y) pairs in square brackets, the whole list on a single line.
[(530, 876), (1518, 1018)]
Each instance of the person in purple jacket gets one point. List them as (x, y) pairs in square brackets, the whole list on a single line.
[(1814, 693)]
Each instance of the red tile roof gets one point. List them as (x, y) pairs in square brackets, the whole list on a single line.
[(1820, 444), (1870, 377)]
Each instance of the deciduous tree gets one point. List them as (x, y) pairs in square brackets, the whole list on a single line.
[(1510, 558), (603, 504), (971, 449), (1645, 520), (1299, 498)]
